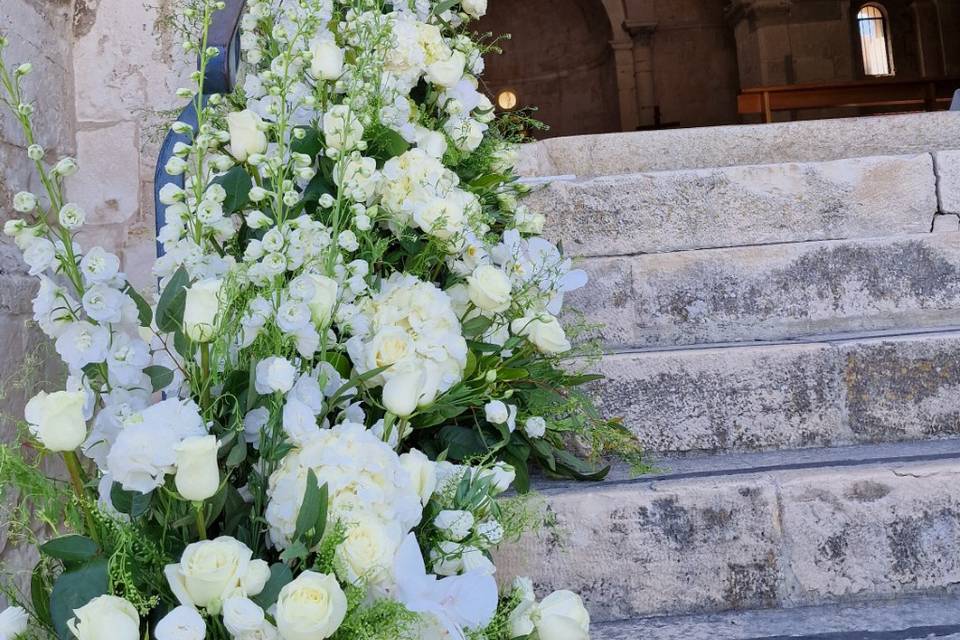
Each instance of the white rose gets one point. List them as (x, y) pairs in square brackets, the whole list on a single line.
[(210, 571), (423, 473), (105, 617), (242, 616), (402, 392), (368, 550), (327, 60), (535, 427), (57, 419), (312, 607), (275, 375), (201, 309), (448, 72), (198, 476), (246, 138), (562, 616), (324, 298), (489, 289), (544, 331), (183, 623), (475, 8), (455, 525), (13, 622)]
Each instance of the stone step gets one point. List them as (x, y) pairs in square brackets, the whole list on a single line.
[(772, 292), (839, 390), (806, 141), (738, 206), (766, 531), (901, 619)]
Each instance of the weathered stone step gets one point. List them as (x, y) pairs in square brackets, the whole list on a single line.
[(806, 141), (784, 396), (901, 619), (773, 292), (781, 533), (738, 206)]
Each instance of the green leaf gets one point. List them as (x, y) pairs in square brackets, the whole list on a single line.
[(354, 382), (313, 512), (574, 467), (280, 576), (387, 144), (40, 595), (512, 374), (444, 6), (144, 312), (476, 326), (310, 144), (160, 377), (237, 183), (73, 589), (237, 454), (172, 301), (339, 361), (462, 442), (132, 503), (488, 181), (71, 549)]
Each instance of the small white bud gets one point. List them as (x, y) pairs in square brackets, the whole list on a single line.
[(66, 167), (181, 128), (175, 166), (35, 152), (258, 194), (326, 201), (24, 69), (24, 202)]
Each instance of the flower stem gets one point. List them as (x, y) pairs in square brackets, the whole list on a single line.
[(201, 521), (76, 480), (205, 377)]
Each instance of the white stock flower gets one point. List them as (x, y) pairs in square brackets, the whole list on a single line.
[(211, 571), (13, 622), (275, 375), (182, 623), (105, 617), (544, 331), (490, 531), (246, 138), (312, 607), (198, 476), (57, 419), (489, 289), (455, 525), (201, 309)]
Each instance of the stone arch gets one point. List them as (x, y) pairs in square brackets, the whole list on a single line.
[(558, 59)]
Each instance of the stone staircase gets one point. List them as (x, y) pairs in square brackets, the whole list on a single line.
[(782, 321)]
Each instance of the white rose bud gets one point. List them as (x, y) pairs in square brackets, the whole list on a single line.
[(201, 310), (324, 299), (535, 427), (327, 60), (13, 622), (312, 607), (422, 471), (455, 525), (198, 476), (562, 616), (246, 138), (275, 375), (401, 393), (544, 331), (24, 202), (105, 617), (489, 289), (72, 216), (183, 623), (57, 419)]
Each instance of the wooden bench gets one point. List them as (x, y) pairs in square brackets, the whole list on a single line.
[(931, 94)]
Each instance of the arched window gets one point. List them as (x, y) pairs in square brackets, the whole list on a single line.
[(875, 40)]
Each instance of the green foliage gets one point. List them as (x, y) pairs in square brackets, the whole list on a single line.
[(380, 620)]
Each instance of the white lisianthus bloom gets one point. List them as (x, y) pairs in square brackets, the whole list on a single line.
[(246, 138), (201, 309), (455, 525), (447, 558), (57, 419), (475, 8), (501, 474), (562, 616), (496, 412), (489, 289), (72, 216), (198, 476), (535, 427), (423, 473), (13, 622), (212, 571), (312, 607), (253, 424), (544, 331), (39, 255), (183, 623), (275, 375), (299, 422), (105, 617), (326, 59)]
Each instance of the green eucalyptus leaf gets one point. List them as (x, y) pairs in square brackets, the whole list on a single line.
[(70, 549), (75, 588), (132, 503), (280, 576), (237, 183), (160, 377), (144, 312), (172, 302)]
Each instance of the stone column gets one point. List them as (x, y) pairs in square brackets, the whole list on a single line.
[(642, 33), (762, 31), (929, 37), (949, 14)]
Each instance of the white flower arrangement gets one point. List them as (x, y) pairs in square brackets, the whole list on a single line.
[(307, 433)]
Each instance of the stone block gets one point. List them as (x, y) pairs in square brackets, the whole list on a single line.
[(773, 292), (948, 181), (704, 147), (948, 223), (108, 183), (737, 206), (638, 550)]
